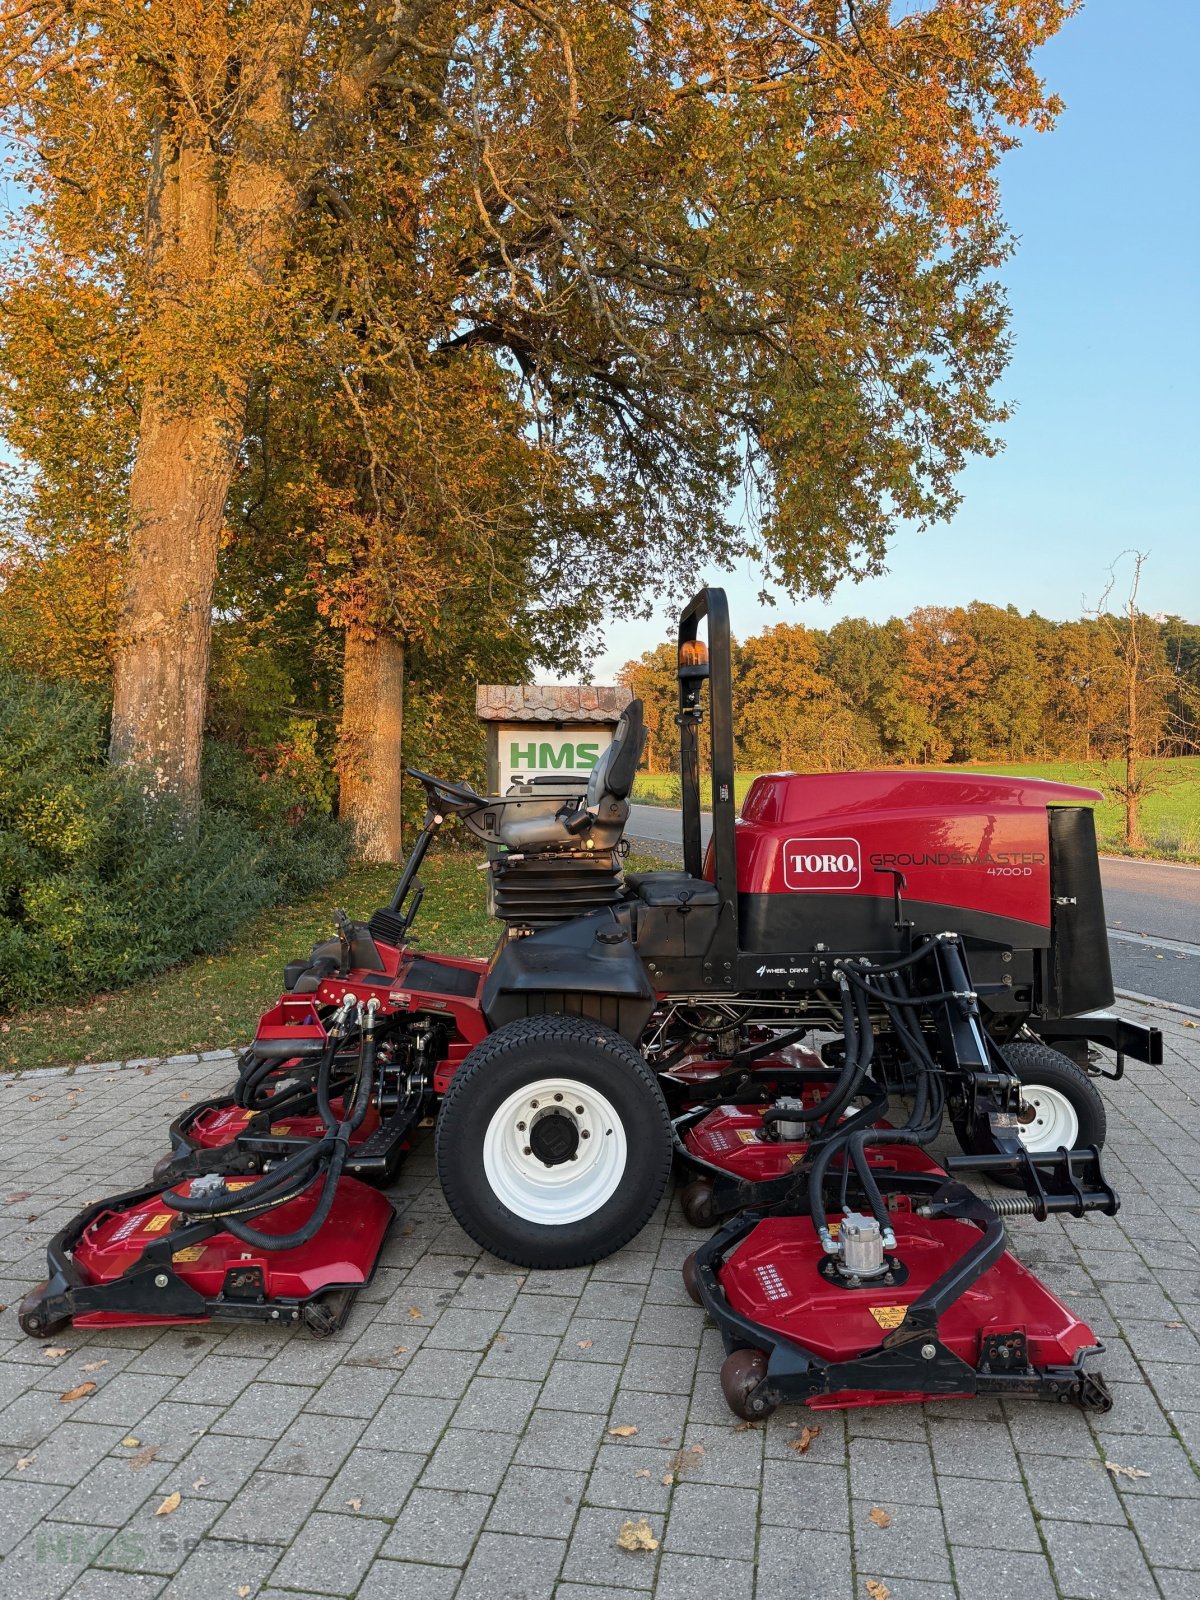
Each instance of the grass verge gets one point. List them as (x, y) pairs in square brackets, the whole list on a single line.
[(216, 1001)]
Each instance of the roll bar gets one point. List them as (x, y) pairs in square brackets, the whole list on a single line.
[(710, 604)]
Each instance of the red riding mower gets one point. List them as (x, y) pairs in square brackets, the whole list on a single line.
[(792, 1015)]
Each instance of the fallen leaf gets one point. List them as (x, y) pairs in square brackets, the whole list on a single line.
[(144, 1457), (415, 1313), (400, 1350), (583, 1344), (877, 1590), (625, 1431), (35, 1097), (642, 1472), (243, 1589), (94, 1366), (355, 1504), (1119, 1471), (636, 1536), (55, 1350), (199, 1483), (803, 1443), (23, 1462), (1173, 1324), (668, 1478), (78, 1392), (879, 1517), (131, 1441), (744, 1427), (21, 1194), (171, 1503), (501, 1338)]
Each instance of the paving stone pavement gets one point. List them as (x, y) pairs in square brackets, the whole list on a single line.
[(453, 1440)]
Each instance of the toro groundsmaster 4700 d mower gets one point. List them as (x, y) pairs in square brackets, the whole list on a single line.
[(793, 1015)]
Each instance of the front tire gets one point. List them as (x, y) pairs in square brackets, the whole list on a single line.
[(1061, 1106), (553, 1142)]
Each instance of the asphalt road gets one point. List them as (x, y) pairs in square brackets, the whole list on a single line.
[(1153, 913)]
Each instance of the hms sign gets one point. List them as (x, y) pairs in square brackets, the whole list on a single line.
[(822, 864)]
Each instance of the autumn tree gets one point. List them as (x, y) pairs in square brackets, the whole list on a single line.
[(863, 661), (1082, 687), (1006, 717), (788, 714), (752, 244), (652, 679), (944, 678)]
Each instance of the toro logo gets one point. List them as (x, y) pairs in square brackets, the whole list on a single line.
[(822, 864)]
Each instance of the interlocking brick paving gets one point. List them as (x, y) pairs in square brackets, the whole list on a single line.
[(452, 1440)]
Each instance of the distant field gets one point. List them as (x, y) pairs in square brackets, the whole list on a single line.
[(1171, 819)]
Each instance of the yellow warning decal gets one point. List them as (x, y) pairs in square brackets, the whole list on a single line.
[(888, 1316), (192, 1253), (159, 1221), (281, 1127), (794, 1160), (238, 1183), (747, 1135)]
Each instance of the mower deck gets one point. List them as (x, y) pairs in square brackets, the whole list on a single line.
[(131, 1261), (952, 1315)]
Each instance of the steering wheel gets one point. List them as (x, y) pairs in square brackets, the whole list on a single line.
[(459, 793)]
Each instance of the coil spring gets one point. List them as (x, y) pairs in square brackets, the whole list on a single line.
[(1016, 1205)]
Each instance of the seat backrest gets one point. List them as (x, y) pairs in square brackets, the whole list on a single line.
[(614, 773)]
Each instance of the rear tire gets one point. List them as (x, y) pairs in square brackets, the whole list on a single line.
[(1066, 1106), (553, 1142)]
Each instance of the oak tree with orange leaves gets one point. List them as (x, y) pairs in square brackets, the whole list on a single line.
[(739, 246)]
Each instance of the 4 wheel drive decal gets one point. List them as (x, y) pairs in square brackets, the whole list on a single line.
[(822, 864)]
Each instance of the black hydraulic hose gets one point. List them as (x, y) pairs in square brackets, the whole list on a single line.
[(834, 1104), (302, 1234), (286, 1173), (365, 1085), (844, 1086), (876, 968)]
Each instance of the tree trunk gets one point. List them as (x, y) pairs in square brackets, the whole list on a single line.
[(177, 500), (200, 247), (181, 474), (371, 763)]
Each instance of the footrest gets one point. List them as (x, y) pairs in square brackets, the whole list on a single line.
[(378, 1158)]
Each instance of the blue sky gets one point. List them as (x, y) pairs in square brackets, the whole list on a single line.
[(1102, 453)]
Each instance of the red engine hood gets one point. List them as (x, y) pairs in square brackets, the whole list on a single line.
[(972, 841), (787, 797)]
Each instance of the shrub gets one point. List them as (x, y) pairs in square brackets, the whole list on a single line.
[(96, 891), (287, 805)]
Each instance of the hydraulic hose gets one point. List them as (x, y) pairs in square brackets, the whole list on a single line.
[(301, 1235), (847, 1080)]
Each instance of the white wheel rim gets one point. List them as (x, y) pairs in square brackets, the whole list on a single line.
[(569, 1190), (1055, 1122)]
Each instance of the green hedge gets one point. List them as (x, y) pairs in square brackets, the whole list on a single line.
[(95, 891)]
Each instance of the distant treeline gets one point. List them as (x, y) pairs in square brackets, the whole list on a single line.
[(946, 684)]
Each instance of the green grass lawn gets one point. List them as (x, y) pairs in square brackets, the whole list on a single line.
[(216, 1001), (1171, 818)]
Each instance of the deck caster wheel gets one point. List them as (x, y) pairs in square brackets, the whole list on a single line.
[(691, 1279), (162, 1167), (33, 1319), (696, 1202), (741, 1374)]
